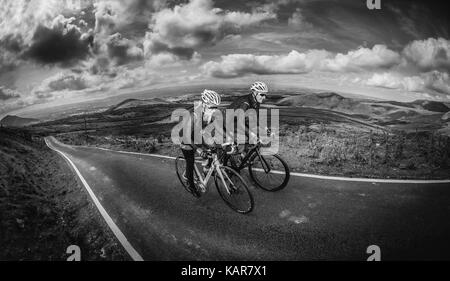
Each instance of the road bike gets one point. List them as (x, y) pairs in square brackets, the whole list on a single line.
[(231, 186), (268, 172)]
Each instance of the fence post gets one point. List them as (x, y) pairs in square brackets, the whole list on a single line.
[(371, 149), (386, 148)]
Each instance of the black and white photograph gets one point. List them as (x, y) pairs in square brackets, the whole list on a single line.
[(224, 131)]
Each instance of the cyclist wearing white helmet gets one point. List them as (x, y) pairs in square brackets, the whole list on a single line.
[(258, 93), (210, 101)]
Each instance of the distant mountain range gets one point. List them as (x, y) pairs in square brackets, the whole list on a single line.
[(135, 103), (367, 108), (16, 121), (392, 109)]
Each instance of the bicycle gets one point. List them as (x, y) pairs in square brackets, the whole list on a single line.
[(230, 185), (262, 168)]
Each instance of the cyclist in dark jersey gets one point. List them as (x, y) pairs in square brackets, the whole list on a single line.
[(252, 100)]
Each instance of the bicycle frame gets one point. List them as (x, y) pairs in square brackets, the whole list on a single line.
[(248, 156), (215, 167)]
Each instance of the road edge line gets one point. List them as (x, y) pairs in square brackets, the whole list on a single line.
[(109, 221)]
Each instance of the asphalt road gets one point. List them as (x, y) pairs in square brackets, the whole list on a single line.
[(311, 219)]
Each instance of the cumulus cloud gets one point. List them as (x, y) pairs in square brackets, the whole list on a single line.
[(12, 43), (297, 20), (396, 81), (62, 82), (62, 42), (429, 54), (82, 82), (363, 58), (123, 50), (7, 94), (169, 60), (196, 24), (22, 17), (240, 64), (38, 30), (113, 16), (154, 46), (7, 60), (435, 82), (295, 62)]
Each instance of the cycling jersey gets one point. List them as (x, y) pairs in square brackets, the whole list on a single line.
[(189, 148), (245, 103), (194, 116)]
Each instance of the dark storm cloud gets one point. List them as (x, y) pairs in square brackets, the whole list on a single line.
[(51, 46)]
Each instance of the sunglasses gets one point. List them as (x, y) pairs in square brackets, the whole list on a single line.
[(262, 95)]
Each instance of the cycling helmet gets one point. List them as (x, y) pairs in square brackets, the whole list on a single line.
[(259, 87), (210, 97)]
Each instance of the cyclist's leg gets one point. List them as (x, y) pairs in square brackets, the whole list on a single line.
[(189, 156)]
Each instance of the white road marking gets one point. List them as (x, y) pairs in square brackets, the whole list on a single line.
[(294, 173), (115, 229), (297, 174), (359, 179)]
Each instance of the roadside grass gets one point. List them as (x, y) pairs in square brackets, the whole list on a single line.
[(319, 148), (43, 210), (349, 151)]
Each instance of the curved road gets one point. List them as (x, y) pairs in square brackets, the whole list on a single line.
[(309, 220)]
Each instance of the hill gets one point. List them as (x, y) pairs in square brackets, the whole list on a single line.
[(434, 106), (16, 121), (392, 109), (129, 103)]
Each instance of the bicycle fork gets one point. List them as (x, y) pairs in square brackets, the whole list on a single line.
[(222, 177), (266, 167)]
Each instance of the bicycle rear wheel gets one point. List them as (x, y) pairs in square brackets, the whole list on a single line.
[(269, 172), (235, 194)]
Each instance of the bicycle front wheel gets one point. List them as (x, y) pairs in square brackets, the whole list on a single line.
[(269, 172), (233, 190)]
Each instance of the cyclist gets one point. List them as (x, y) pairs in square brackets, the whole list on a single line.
[(210, 100), (258, 93), (253, 100)]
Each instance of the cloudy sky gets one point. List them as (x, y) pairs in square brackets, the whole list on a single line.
[(62, 51)]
